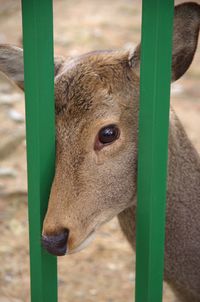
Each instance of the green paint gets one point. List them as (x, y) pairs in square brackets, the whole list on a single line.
[(153, 134), (39, 91), (157, 21)]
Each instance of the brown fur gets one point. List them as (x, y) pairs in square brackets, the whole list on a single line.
[(90, 187)]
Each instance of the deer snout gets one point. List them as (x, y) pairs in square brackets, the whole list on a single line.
[(56, 244)]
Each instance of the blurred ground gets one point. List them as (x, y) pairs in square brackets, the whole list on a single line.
[(104, 272)]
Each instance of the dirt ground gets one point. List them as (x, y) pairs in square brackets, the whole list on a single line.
[(104, 272)]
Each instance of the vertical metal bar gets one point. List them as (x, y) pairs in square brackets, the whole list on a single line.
[(157, 27), (39, 90)]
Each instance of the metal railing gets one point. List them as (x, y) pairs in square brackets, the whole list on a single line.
[(157, 25)]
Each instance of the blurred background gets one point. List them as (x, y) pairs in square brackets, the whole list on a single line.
[(104, 272)]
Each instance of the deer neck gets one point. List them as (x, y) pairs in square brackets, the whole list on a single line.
[(182, 244)]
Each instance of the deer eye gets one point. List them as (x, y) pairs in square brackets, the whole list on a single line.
[(106, 136)]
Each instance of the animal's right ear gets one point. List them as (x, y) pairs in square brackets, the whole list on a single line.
[(12, 64)]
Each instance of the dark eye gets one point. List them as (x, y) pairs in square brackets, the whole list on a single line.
[(106, 136)]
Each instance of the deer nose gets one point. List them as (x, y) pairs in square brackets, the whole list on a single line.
[(56, 244)]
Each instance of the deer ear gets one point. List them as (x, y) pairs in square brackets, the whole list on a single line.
[(185, 40), (12, 64), (134, 59)]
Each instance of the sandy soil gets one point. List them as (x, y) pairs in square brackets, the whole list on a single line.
[(103, 272)]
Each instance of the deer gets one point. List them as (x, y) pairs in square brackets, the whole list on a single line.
[(97, 107)]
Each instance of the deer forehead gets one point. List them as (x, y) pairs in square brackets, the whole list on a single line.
[(91, 81)]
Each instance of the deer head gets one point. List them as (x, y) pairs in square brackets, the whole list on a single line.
[(97, 104)]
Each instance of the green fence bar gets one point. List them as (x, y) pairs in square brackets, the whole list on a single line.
[(157, 27), (39, 91)]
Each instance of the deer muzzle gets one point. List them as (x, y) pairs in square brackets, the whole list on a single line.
[(56, 244)]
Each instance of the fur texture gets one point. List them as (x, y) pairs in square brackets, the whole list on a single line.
[(90, 186)]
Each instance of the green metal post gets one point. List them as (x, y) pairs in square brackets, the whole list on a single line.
[(157, 27), (39, 90)]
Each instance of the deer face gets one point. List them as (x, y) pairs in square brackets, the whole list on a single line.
[(97, 98), (96, 143)]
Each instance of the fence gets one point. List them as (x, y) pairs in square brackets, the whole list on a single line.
[(157, 20)]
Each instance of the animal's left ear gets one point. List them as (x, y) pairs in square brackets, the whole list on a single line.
[(185, 40)]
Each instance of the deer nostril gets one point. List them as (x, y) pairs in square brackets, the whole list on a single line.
[(56, 244)]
